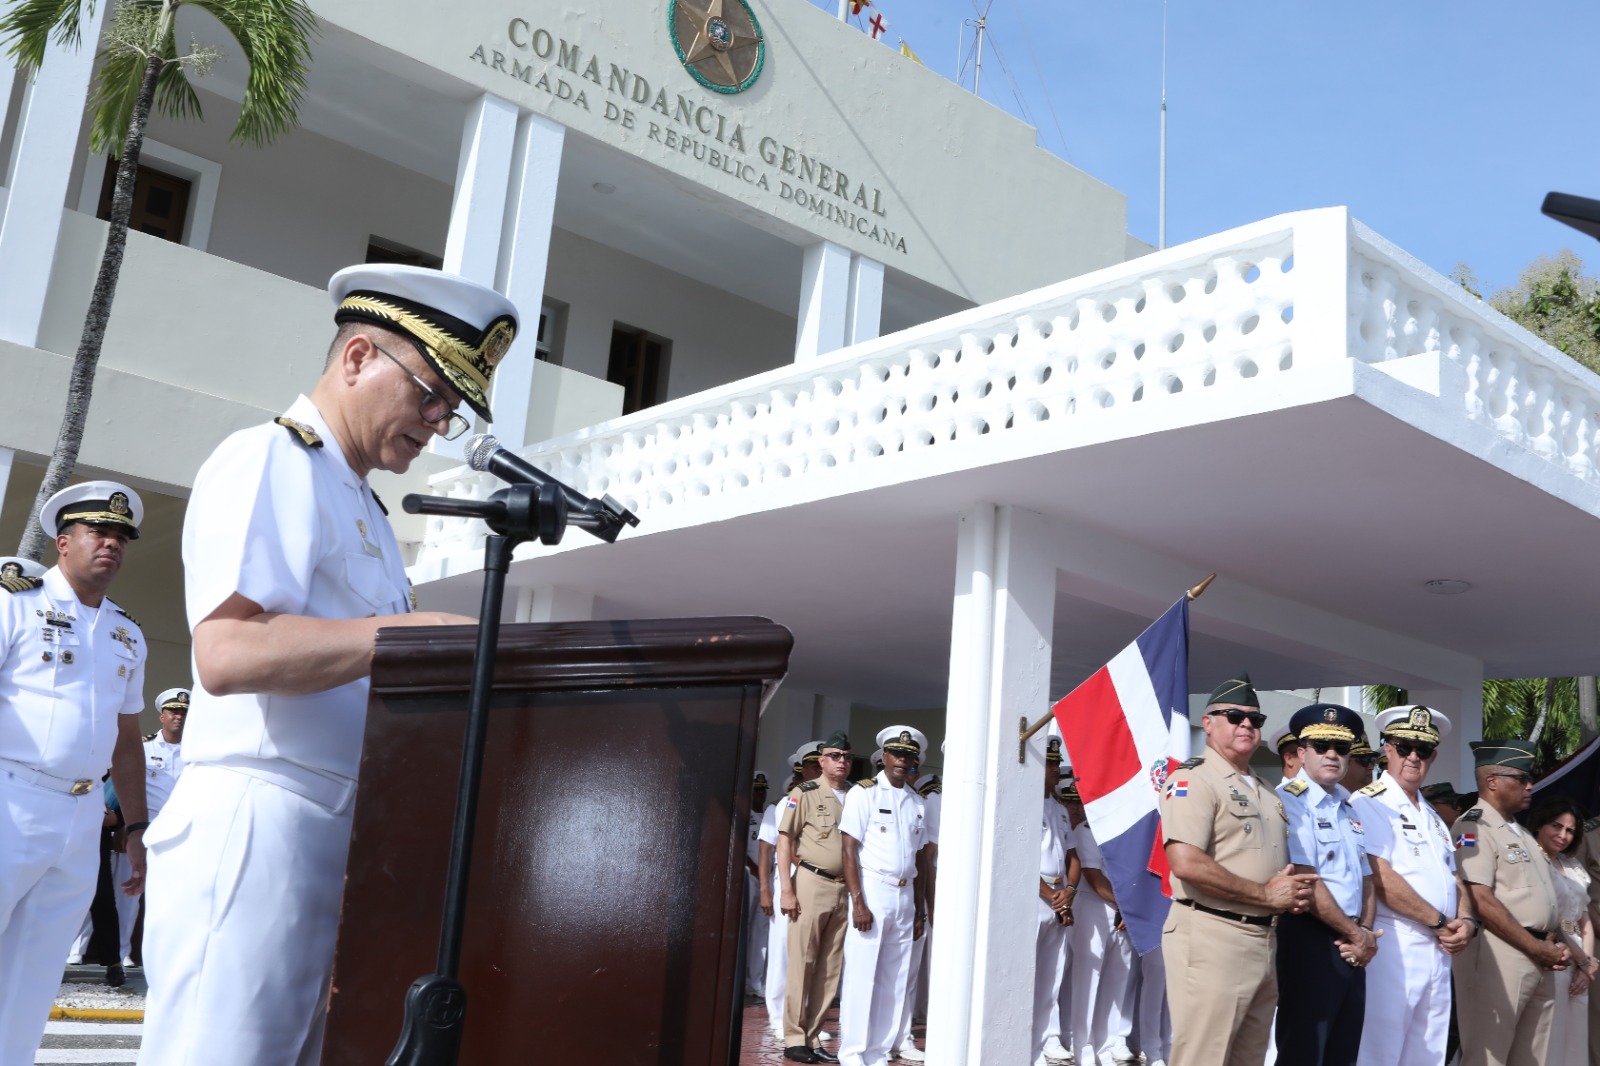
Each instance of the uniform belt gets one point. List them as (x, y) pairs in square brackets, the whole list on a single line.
[(888, 879), (319, 786), (820, 872), (1246, 919), (28, 775), (1540, 934)]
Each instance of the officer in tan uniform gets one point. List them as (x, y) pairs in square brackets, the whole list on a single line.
[(1505, 979), (1226, 837), (813, 898)]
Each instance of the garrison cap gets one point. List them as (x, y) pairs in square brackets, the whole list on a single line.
[(174, 699), (1512, 754), (1327, 721), (1413, 722), (1236, 690), (461, 327), (836, 739), (1443, 792), (1282, 737), (17, 566), (100, 503), (902, 740), (1052, 750)]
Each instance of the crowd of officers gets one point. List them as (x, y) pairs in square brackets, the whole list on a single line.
[(1336, 919)]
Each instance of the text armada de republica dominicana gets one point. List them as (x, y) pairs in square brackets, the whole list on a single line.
[(678, 123)]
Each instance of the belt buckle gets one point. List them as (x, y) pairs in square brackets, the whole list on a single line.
[(81, 787), (901, 884)]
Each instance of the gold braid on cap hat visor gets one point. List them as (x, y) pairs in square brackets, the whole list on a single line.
[(1407, 731), (467, 369), (96, 518), (1325, 731)]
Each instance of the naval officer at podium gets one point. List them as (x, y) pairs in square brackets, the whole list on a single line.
[(290, 569)]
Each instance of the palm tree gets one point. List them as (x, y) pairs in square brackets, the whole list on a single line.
[(140, 67), (1544, 710)]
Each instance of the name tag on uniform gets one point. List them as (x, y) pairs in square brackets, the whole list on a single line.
[(1323, 824)]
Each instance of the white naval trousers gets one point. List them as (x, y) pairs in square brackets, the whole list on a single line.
[(755, 959), (1408, 998), (49, 863), (127, 906), (1060, 1024), (244, 884), (919, 954), (777, 962), (1152, 1021), (1049, 962), (873, 986), (1102, 968)]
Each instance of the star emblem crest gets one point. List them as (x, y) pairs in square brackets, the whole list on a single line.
[(718, 41)]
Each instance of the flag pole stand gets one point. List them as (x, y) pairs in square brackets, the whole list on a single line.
[(1025, 731)]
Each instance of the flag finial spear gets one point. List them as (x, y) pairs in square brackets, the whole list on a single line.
[(1194, 593)]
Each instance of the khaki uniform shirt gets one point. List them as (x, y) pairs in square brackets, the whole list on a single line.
[(810, 817), (1504, 857), (1242, 826)]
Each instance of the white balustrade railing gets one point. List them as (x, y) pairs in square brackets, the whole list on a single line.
[(1168, 328)]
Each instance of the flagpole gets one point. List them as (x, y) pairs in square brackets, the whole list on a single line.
[(844, 9), (1161, 226), (1025, 731)]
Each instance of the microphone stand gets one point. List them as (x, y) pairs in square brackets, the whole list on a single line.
[(436, 1003)]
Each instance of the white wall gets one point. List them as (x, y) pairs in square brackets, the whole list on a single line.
[(716, 337)]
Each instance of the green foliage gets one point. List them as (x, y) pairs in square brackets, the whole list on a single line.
[(273, 35), (1512, 708), (1555, 300)]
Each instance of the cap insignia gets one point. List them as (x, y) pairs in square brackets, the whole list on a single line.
[(1330, 715), (1420, 718), (499, 339), (118, 504)]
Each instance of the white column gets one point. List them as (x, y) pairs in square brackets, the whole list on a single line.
[(478, 208), (824, 296), (8, 456), (41, 167), (551, 603), (1462, 703), (1019, 680), (535, 166), (864, 314)]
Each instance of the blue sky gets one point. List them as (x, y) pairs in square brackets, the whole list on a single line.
[(1441, 126)]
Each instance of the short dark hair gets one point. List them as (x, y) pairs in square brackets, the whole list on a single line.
[(1546, 811)]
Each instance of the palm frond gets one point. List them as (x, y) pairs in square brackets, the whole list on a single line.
[(30, 25), (1382, 697), (274, 36)]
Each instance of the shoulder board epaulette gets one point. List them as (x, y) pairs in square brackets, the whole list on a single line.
[(150, 736), (807, 786), (1472, 815), (1295, 786), (129, 617), (1373, 789), (1192, 763), (927, 790), (1591, 824), (867, 782), (20, 584), (377, 500), (302, 432)]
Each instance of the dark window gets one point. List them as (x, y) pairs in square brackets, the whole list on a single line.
[(639, 364), (160, 201), (382, 251)]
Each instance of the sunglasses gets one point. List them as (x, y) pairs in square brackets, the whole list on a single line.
[(1369, 761), (1338, 747), (1405, 750), (832, 755), (1520, 778), (1255, 718)]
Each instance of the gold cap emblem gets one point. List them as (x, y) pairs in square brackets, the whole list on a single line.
[(118, 503)]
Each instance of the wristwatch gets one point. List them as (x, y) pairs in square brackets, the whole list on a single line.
[(1441, 923)]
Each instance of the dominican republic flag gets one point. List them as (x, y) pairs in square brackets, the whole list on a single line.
[(1126, 728)]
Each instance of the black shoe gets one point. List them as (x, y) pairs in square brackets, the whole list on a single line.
[(799, 1053), (824, 1055), (115, 977)]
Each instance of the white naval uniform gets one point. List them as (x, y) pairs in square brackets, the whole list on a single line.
[(777, 930), (889, 824), (163, 763), (67, 675), (1055, 843), (1102, 963), (247, 859), (1408, 980), (756, 931), (921, 948)]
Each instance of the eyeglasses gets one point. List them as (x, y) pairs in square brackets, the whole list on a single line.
[(455, 425), (1421, 751), (1520, 778), (834, 755), (1338, 747), (1255, 718)]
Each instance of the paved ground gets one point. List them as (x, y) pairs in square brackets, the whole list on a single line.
[(759, 1048)]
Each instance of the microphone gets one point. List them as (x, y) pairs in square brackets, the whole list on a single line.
[(603, 517)]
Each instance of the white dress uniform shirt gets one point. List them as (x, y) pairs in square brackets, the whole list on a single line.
[(248, 857), (163, 762), (67, 674), (891, 825), (1326, 835), (1408, 981)]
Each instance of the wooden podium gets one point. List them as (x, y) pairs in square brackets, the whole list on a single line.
[(607, 871)]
